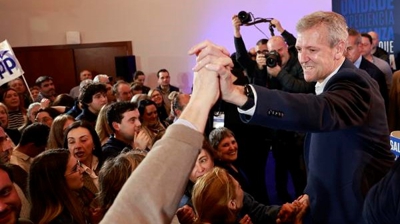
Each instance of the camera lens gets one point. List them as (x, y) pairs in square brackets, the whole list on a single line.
[(244, 17)]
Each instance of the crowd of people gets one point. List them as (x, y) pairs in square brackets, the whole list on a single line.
[(127, 153)]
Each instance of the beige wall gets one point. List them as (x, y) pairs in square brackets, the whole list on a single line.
[(161, 31)]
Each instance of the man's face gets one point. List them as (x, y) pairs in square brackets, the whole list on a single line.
[(316, 57), (353, 49), (129, 126), (140, 79), (279, 45), (163, 78), (47, 88), (10, 204), (124, 93), (18, 85), (98, 101), (6, 147), (366, 46), (85, 75)]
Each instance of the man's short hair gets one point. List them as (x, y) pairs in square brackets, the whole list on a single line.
[(137, 73), (115, 86), (116, 110), (89, 90), (354, 33), (36, 133), (161, 70), (367, 36), (262, 42), (42, 79)]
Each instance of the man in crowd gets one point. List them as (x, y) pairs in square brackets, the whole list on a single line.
[(106, 80), (353, 53), (123, 119), (165, 87), (33, 141), (10, 203), (46, 88), (122, 91), (366, 41), (93, 97), (83, 75), (376, 50), (347, 149)]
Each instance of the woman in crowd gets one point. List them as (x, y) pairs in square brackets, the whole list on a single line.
[(223, 142), (15, 106), (258, 213), (157, 98), (46, 116), (30, 114), (113, 176), (218, 198), (14, 134), (56, 136), (84, 144), (151, 125), (102, 128), (55, 177)]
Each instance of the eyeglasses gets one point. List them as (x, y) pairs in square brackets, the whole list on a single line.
[(75, 169)]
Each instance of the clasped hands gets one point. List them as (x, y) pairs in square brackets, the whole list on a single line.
[(212, 75)]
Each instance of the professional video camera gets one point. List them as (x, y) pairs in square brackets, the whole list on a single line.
[(246, 18), (273, 59)]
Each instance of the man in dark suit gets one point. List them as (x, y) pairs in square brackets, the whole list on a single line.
[(347, 148), (353, 53), (165, 87)]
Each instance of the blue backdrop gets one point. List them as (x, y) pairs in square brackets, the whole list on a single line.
[(380, 16)]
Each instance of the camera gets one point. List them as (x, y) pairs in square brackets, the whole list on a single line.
[(273, 59), (244, 17)]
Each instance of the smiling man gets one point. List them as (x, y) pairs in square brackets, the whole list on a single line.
[(347, 148), (10, 203)]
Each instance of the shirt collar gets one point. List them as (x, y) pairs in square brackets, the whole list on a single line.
[(319, 87)]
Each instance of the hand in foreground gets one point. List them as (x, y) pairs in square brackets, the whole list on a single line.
[(44, 103), (295, 211), (213, 62), (186, 215), (245, 220), (141, 140)]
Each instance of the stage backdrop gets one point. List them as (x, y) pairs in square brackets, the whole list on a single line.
[(374, 15)]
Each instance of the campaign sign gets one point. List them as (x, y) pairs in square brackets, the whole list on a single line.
[(395, 143), (9, 65)]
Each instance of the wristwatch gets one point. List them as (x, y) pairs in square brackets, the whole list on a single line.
[(248, 91)]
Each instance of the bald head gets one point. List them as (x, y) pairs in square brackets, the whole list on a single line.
[(375, 38), (277, 43)]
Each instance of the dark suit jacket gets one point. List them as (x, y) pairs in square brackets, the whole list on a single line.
[(347, 147), (383, 201), (379, 77)]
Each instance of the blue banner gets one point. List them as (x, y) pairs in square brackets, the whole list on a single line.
[(380, 16), (395, 145)]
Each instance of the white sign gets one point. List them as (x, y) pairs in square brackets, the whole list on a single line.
[(9, 66)]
